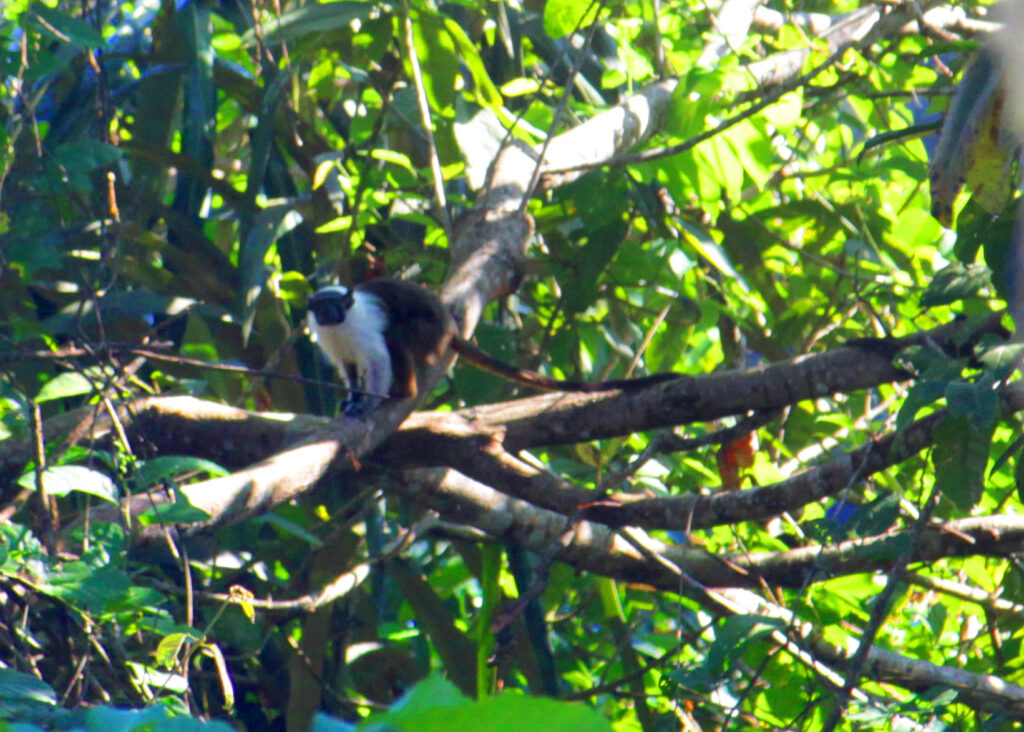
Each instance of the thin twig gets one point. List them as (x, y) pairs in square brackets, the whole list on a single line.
[(75, 352), (48, 509), (425, 121), (879, 613), (562, 104)]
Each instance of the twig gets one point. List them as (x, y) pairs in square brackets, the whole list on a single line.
[(991, 604), (562, 104), (124, 348), (666, 442), (425, 121), (879, 612), (48, 512), (770, 98)]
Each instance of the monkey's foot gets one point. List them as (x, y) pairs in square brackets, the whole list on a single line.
[(358, 405)]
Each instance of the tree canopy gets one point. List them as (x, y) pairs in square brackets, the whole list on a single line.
[(803, 210)]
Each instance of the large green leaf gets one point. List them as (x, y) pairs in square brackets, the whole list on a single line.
[(270, 225), (959, 457), (562, 17), (314, 18), (436, 705), (65, 386), (18, 685), (955, 282), (65, 479), (65, 27), (438, 59)]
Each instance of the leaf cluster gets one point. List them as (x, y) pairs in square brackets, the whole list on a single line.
[(755, 200)]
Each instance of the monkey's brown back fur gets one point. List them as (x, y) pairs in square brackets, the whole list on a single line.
[(420, 330)]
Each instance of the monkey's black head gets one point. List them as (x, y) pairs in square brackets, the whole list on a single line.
[(329, 305)]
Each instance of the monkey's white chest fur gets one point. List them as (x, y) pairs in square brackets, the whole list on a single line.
[(358, 342)]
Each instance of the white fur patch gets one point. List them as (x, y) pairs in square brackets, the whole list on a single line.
[(358, 340)]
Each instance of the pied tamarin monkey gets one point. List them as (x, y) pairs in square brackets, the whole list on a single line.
[(380, 332)]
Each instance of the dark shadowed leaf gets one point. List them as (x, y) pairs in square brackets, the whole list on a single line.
[(960, 457), (955, 282)]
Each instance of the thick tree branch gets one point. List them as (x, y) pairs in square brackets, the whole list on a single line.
[(695, 511), (603, 139), (975, 689), (320, 448), (596, 548), (554, 419)]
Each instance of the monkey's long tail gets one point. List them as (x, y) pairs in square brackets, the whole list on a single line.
[(487, 362)]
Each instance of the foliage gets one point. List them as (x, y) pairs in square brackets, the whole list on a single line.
[(177, 177)]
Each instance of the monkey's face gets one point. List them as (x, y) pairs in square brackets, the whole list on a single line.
[(328, 305)]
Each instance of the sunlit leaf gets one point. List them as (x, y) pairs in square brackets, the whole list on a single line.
[(170, 646), (973, 146), (179, 512), (65, 386), (435, 51), (519, 87), (62, 480), (562, 17)]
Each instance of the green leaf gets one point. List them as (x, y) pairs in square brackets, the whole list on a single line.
[(562, 17), (323, 723), (289, 527), (919, 396), (18, 547), (64, 386), (65, 28), (109, 719), (292, 288), (85, 587), (1018, 476), (159, 469), (979, 402), (897, 136), (712, 252), (315, 18), (959, 457), (261, 145), (270, 224), (435, 705), (520, 86), (391, 156), (179, 512), (486, 92), (170, 645), (1000, 355), (877, 516), (732, 638), (18, 685), (955, 282), (436, 53), (64, 479), (84, 156)]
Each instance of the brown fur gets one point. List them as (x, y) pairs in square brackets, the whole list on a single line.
[(420, 330)]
